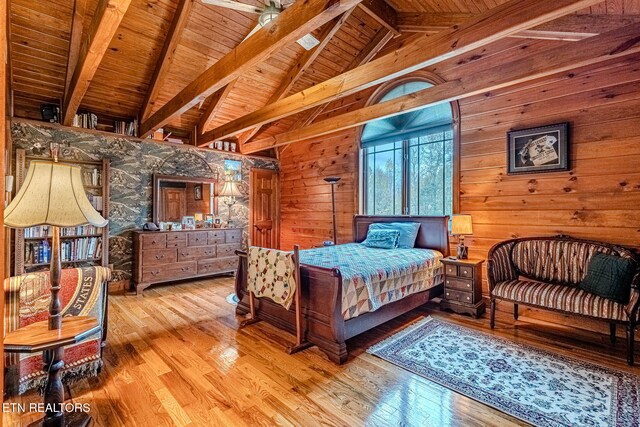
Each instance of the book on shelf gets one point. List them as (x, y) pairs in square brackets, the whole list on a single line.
[(126, 128), (37, 253), (44, 231), (92, 177), (85, 120), (82, 249)]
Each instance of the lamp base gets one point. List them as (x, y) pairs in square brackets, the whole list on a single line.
[(462, 252)]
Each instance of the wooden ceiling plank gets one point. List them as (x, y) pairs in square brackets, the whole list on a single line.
[(598, 49), (75, 39), (383, 13), (215, 101), (423, 51), (167, 55), (109, 14), (296, 21), (366, 55), (301, 66)]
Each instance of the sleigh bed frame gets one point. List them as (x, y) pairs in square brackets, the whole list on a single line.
[(322, 292)]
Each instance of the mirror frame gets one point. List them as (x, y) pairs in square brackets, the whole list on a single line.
[(174, 178)]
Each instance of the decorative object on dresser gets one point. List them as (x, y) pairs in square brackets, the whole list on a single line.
[(53, 195), (541, 149), (167, 256), (229, 193), (333, 180), (463, 286), (551, 273), (461, 226), (84, 245)]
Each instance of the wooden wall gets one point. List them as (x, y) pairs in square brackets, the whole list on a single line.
[(597, 199)]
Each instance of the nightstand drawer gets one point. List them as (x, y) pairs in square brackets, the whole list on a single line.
[(460, 296), (451, 270), (465, 271), (459, 284)]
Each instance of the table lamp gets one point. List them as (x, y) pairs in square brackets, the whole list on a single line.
[(53, 195), (461, 226), (229, 193)]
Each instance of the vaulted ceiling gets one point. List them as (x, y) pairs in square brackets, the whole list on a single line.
[(42, 33)]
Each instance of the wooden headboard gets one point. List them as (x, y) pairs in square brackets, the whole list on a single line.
[(432, 234)]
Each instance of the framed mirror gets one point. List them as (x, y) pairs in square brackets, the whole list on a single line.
[(177, 197)]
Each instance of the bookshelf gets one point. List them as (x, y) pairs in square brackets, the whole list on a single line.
[(79, 246)]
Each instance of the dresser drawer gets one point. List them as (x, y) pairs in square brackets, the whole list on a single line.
[(451, 270), (154, 241), (459, 284), (228, 250), (459, 296), (176, 240), (233, 236), (465, 271), (217, 265), (159, 256), (173, 271), (214, 237), (197, 238), (192, 253)]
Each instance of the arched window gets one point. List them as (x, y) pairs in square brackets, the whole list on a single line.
[(408, 159)]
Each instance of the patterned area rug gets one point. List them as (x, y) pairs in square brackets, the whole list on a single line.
[(533, 385)]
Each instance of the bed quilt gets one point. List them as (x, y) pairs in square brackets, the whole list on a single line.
[(373, 277)]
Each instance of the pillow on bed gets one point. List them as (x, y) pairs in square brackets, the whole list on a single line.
[(408, 232), (383, 239)]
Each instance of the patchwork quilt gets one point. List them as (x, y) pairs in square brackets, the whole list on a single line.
[(373, 277), (271, 274)]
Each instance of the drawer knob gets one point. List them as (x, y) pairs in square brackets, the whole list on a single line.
[(448, 282), (447, 293), (468, 285), (464, 272), (467, 298), (154, 273), (159, 256)]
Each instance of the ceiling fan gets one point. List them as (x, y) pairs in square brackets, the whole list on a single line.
[(269, 12)]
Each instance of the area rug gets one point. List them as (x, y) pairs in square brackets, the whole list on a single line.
[(533, 385)]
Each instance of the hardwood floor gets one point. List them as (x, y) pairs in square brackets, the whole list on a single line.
[(175, 357)]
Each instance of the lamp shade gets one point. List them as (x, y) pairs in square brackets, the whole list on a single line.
[(230, 189), (52, 194), (461, 225)]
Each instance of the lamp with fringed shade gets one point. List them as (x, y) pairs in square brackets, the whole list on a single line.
[(53, 195), (230, 191)]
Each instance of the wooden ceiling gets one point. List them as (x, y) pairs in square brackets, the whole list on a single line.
[(40, 46)]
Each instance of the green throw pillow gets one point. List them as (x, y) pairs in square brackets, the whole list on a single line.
[(609, 276)]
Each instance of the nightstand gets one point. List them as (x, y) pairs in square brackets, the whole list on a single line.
[(463, 286)]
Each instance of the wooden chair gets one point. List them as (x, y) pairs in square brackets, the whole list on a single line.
[(301, 342)]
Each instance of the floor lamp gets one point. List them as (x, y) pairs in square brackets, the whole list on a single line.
[(53, 195), (333, 180)]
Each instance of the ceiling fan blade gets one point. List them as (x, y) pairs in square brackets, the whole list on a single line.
[(252, 32), (287, 3), (308, 42), (235, 5), (277, 3)]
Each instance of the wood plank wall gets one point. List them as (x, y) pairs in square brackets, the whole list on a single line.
[(4, 113), (597, 199)]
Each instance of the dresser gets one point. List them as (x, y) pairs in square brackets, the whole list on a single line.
[(463, 286), (166, 256)]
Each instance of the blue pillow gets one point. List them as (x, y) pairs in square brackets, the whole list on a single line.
[(408, 231), (383, 239)]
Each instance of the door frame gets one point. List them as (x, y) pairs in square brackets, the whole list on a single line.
[(252, 173)]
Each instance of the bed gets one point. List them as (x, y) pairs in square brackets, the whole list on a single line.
[(349, 289)]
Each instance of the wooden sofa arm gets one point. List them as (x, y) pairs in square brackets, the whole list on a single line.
[(499, 265)]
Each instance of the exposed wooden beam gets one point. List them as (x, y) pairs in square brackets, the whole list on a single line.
[(167, 54), (617, 43), (302, 65), (367, 54), (214, 103), (296, 21), (383, 13), (423, 51), (75, 39), (570, 28), (109, 14)]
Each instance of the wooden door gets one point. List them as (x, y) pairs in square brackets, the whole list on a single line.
[(174, 204), (265, 227)]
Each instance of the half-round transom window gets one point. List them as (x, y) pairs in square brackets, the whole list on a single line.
[(408, 159)]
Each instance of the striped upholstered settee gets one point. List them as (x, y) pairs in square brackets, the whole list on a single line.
[(545, 272)]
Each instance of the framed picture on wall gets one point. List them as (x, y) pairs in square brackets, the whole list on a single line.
[(197, 192), (541, 149)]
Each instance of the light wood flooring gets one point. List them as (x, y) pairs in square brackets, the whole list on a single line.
[(175, 357)]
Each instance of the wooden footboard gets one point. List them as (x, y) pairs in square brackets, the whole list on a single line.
[(322, 309)]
